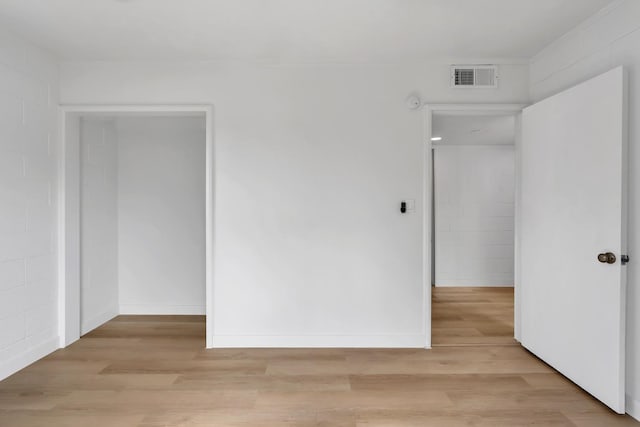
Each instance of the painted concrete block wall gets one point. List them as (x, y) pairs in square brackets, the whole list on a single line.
[(609, 39), (474, 215), (28, 132), (161, 215), (308, 158), (98, 222)]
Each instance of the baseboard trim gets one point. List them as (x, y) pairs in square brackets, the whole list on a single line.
[(143, 309), (318, 341), (473, 284), (633, 407), (28, 357), (99, 320)]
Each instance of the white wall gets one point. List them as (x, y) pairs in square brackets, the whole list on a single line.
[(473, 129), (28, 132), (98, 222), (608, 39), (161, 215), (474, 215), (311, 163)]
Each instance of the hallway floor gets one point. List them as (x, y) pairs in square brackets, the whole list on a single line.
[(472, 316)]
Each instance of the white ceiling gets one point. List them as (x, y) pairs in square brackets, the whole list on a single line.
[(474, 129), (294, 30)]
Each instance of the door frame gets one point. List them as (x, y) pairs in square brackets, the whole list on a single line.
[(68, 218), (466, 109)]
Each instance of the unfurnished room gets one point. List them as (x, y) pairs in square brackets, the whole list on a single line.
[(354, 213)]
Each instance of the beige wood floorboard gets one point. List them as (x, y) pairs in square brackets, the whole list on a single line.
[(472, 316), (153, 371)]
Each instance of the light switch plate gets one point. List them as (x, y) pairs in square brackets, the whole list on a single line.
[(411, 205)]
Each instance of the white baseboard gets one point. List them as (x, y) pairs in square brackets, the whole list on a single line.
[(99, 320), (25, 359), (143, 309), (633, 407), (315, 341), (473, 284)]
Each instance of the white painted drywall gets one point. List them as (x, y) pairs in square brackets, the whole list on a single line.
[(28, 154), (161, 215), (473, 129), (311, 163), (98, 222), (608, 39), (474, 215)]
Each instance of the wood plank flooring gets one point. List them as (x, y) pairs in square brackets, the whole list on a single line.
[(472, 316), (153, 371)]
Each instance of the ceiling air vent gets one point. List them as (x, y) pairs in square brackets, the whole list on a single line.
[(474, 76)]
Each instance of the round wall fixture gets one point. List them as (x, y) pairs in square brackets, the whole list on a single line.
[(414, 102)]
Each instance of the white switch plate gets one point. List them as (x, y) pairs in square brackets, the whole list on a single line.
[(411, 205)]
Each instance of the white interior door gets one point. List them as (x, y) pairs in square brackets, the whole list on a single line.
[(573, 191)]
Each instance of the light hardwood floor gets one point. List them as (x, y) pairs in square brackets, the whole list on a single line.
[(153, 372), (472, 316)]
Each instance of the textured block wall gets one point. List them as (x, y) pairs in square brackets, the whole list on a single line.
[(28, 161)]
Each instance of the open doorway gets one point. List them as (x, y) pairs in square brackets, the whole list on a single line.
[(137, 191), (142, 217), (473, 227)]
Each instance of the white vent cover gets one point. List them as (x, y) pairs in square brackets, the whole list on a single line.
[(474, 76)]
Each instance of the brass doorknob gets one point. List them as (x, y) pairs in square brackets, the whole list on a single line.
[(607, 258)]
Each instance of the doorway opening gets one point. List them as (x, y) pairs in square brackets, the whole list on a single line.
[(136, 225), (473, 189)]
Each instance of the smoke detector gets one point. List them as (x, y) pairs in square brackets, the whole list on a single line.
[(413, 101)]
